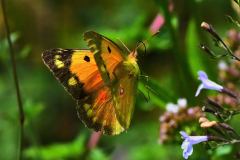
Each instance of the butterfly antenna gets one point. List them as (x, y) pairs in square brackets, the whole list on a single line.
[(124, 45), (140, 43)]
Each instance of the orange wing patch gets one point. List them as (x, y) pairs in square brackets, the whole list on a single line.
[(111, 55), (84, 67)]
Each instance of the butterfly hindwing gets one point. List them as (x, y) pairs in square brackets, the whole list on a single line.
[(125, 94), (98, 112)]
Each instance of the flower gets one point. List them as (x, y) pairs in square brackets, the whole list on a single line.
[(182, 102), (157, 24), (189, 141), (222, 65), (206, 83), (172, 107)]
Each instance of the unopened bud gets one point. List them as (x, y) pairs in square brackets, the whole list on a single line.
[(203, 119), (206, 26), (208, 124)]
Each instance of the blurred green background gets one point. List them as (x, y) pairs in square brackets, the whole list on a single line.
[(52, 129)]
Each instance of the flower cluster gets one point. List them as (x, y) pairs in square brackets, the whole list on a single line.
[(229, 72), (218, 130), (222, 106), (175, 116)]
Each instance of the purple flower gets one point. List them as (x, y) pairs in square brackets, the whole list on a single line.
[(188, 143), (206, 83)]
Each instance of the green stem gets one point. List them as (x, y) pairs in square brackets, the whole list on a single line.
[(182, 71), (230, 142), (14, 72)]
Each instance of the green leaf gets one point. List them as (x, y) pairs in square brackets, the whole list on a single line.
[(98, 154), (57, 151), (161, 40), (223, 150)]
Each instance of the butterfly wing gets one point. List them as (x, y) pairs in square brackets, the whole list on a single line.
[(78, 72), (116, 67), (126, 86), (59, 61), (106, 53), (86, 75), (98, 112)]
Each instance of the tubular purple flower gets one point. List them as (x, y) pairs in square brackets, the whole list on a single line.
[(189, 141), (206, 83)]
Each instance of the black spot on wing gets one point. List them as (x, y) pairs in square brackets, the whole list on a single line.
[(109, 49), (87, 58)]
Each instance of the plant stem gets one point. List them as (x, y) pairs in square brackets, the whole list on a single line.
[(230, 142), (14, 72), (179, 57)]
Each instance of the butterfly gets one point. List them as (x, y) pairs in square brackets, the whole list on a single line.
[(102, 79)]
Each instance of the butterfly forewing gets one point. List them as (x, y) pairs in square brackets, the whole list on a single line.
[(59, 61), (107, 54)]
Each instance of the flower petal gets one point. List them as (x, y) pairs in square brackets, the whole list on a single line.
[(182, 102), (157, 24), (200, 87), (202, 75), (208, 84), (189, 151), (172, 108), (185, 144), (222, 66), (184, 134), (197, 139)]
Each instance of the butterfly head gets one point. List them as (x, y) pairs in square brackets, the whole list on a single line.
[(133, 55), (131, 64)]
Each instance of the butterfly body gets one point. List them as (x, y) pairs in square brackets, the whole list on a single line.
[(103, 81)]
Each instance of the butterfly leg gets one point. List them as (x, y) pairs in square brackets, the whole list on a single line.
[(146, 86)]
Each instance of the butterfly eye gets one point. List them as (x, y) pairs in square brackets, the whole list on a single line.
[(109, 49), (130, 74), (87, 59)]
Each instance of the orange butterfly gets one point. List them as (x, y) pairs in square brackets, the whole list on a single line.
[(103, 80)]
